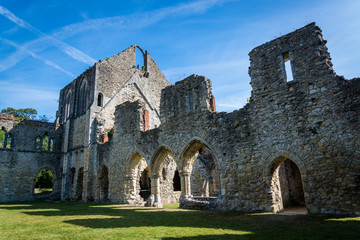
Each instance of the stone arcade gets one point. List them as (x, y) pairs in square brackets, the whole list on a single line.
[(124, 134)]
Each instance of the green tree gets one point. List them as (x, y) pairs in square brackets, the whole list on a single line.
[(44, 179), (21, 113), (26, 113)]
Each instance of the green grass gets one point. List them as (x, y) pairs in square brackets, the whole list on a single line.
[(73, 220)]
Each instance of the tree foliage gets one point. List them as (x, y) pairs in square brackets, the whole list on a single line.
[(21, 113), (44, 179), (26, 113)]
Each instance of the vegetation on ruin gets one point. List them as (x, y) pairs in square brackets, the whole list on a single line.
[(44, 181), (26, 113), (73, 220)]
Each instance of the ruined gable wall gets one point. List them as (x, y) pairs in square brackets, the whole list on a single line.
[(120, 81), (20, 164)]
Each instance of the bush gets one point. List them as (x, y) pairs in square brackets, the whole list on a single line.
[(44, 179)]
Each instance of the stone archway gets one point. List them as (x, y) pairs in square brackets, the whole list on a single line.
[(103, 183), (286, 188), (162, 170), (200, 170), (137, 183), (44, 182)]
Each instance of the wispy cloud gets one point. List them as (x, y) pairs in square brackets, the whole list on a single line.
[(67, 49), (139, 20), (34, 55), (120, 22)]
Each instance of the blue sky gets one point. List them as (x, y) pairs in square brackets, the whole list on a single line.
[(45, 44)]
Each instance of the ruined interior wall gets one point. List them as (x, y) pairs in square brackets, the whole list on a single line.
[(20, 164), (167, 193), (310, 116)]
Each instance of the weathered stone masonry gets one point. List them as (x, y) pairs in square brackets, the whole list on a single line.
[(125, 135)]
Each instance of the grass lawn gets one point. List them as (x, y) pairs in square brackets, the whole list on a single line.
[(74, 220)]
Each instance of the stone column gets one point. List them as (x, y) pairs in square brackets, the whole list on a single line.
[(154, 200), (185, 185), (130, 189)]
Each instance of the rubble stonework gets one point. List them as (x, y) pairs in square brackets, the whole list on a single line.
[(126, 135)]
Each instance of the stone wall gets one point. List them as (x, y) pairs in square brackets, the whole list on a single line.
[(20, 164), (311, 120), (297, 140)]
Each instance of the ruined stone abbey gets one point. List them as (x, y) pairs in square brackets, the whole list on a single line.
[(124, 134)]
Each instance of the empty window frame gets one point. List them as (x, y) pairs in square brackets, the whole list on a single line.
[(83, 97), (2, 138), (44, 143), (38, 143), (288, 67)]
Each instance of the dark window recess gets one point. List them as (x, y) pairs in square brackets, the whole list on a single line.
[(176, 181)]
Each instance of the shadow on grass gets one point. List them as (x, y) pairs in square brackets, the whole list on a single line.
[(245, 226)]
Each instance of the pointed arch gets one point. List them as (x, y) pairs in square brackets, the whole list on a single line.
[(158, 158), (83, 96), (68, 104), (136, 177), (187, 156), (200, 169), (285, 190), (133, 161), (141, 58), (43, 184)]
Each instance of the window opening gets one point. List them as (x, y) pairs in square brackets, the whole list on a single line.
[(140, 59), (38, 143), (2, 137), (288, 69), (100, 100), (51, 145), (45, 143), (189, 101), (80, 183), (8, 141), (72, 175)]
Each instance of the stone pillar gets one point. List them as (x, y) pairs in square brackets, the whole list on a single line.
[(130, 189), (154, 200), (185, 184)]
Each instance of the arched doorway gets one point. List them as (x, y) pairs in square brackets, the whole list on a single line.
[(137, 181), (170, 183), (162, 170), (80, 184), (200, 170), (204, 175), (103, 181), (44, 182), (286, 185)]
